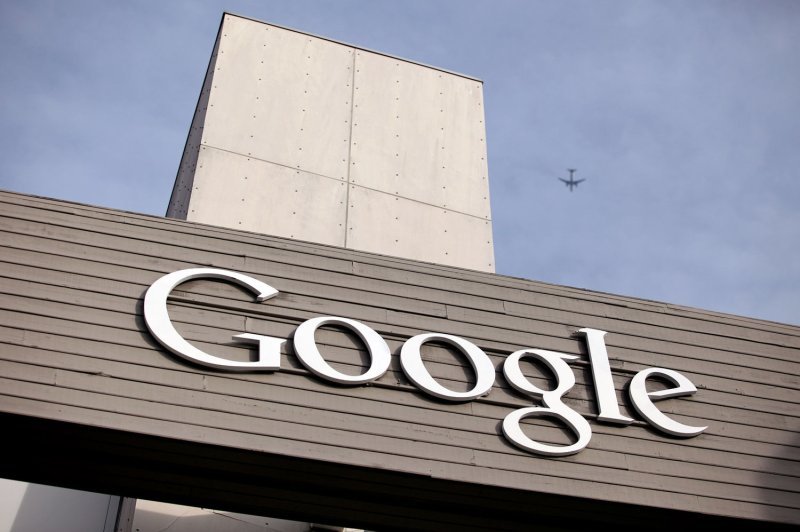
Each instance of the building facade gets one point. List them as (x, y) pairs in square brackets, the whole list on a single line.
[(93, 402), (259, 364)]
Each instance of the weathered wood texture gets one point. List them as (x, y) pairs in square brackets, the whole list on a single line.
[(74, 347)]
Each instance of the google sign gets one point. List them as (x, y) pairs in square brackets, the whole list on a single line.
[(269, 359)]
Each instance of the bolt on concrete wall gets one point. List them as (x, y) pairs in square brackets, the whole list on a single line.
[(302, 137)]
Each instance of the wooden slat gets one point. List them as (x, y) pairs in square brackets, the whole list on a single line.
[(741, 430), (115, 379), (237, 323), (412, 399), (24, 304), (139, 355), (764, 349), (73, 346), (774, 377), (408, 450), (781, 339)]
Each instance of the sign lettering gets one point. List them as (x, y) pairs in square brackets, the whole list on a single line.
[(305, 346)]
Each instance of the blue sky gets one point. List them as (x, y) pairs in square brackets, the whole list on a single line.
[(683, 116)]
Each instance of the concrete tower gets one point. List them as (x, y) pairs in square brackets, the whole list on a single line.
[(302, 137)]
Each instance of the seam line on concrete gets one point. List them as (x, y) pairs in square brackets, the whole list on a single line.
[(485, 219), (350, 147)]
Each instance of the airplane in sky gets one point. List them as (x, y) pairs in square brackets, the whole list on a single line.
[(571, 183)]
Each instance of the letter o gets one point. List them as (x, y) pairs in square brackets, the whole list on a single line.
[(414, 368), (306, 348)]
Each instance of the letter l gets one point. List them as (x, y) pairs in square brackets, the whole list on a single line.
[(601, 373)]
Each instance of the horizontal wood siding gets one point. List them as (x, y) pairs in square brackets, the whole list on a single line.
[(74, 347)]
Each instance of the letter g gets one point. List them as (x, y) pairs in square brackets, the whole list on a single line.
[(158, 322), (554, 406)]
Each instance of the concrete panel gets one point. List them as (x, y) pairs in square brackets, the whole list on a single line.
[(310, 107), (392, 225), (418, 132), (281, 96), (182, 190), (246, 193)]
